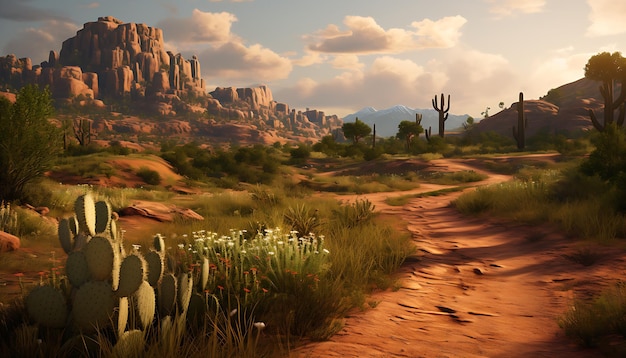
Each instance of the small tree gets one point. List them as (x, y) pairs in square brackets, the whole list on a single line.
[(356, 130), (609, 68), (29, 143), (408, 130)]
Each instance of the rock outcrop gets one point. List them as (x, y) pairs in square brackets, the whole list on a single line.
[(109, 60)]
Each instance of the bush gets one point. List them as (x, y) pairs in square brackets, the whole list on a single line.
[(149, 176)]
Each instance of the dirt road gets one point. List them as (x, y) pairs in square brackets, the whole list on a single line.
[(478, 288)]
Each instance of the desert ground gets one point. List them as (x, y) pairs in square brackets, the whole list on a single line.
[(477, 288)]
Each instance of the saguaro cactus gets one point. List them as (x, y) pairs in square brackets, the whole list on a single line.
[(519, 132), (443, 113)]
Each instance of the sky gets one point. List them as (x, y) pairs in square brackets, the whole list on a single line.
[(340, 56)]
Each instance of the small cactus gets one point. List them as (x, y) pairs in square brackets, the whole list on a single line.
[(156, 266), (65, 235), (145, 304), (167, 294)]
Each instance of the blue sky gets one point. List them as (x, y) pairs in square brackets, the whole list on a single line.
[(342, 55)]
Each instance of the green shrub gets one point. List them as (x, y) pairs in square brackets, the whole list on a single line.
[(149, 176)]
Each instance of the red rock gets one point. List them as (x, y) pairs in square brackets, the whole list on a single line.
[(8, 242)]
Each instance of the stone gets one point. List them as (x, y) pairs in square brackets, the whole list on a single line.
[(9, 242)]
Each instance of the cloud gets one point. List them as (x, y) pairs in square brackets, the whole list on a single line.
[(21, 10), (93, 5), (504, 8), (364, 36), (201, 27), (36, 43), (234, 61), (348, 62), (607, 17), (473, 79), (560, 67)]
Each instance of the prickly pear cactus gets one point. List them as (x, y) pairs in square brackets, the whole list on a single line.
[(65, 235), (47, 306), (145, 304), (155, 267), (103, 216), (122, 315), (76, 268), (204, 278), (93, 305), (85, 209), (100, 253), (132, 274), (185, 290), (167, 294), (129, 344)]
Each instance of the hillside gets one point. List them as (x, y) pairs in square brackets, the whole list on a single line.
[(563, 110)]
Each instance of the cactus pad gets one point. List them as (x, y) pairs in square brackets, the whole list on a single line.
[(204, 278), (122, 315), (145, 304), (155, 267), (94, 305), (65, 235), (167, 294), (73, 224), (103, 216), (77, 269), (185, 289), (47, 306), (197, 309), (130, 344), (132, 273), (159, 243), (100, 257), (85, 209)]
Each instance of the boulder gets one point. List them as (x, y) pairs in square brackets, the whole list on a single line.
[(159, 212), (8, 242)]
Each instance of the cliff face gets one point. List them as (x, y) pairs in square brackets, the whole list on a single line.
[(109, 59)]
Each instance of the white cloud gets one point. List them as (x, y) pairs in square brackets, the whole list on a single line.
[(201, 27), (561, 67), (347, 62), (235, 61), (37, 43), (503, 8), (473, 79), (608, 17), (364, 36)]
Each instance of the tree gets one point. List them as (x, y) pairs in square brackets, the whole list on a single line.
[(356, 130), (609, 68), (408, 130), (29, 143), (469, 123)]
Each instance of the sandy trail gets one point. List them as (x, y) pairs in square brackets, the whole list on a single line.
[(477, 289)]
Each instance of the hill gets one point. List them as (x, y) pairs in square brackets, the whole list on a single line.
[(563, 110)]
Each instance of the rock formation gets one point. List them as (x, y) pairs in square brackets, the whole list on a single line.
[(108, 60)]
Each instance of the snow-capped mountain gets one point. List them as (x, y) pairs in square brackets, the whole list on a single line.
[(387, 120)]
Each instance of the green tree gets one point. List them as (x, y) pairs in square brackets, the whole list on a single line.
[(356, 130), (408, 130), (610, 69), (29, 143)]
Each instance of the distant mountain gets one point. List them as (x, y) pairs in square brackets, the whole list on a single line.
[(387, 120)]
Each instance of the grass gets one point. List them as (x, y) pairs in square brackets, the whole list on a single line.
[(298, 285), (402, 200)]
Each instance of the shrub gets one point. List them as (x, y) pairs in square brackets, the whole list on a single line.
[(149, 176)]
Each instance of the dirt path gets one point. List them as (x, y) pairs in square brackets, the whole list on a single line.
[(479, 289)]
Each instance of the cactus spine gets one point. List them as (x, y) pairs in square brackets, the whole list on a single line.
[(519, 133), (443, 113)]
